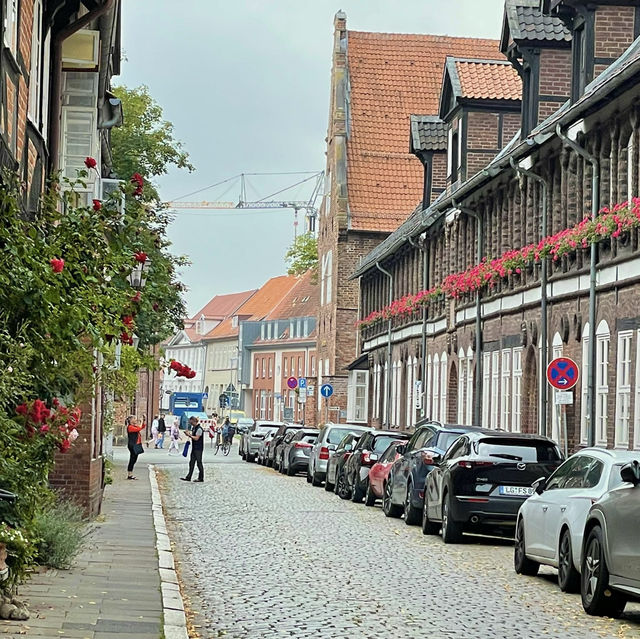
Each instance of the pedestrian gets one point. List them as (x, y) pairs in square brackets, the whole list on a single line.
[(134, 443), (174, 437), (162, 429), (197, 447), (154, 433)]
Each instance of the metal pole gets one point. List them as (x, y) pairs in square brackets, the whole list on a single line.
[(544, 397), (477, 405), (387, 377), (595, 204)]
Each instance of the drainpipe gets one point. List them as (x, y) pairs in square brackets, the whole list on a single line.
[(424, 247), (477, 417), (544, 398), (595, 199), (56, 64), (387, 377)]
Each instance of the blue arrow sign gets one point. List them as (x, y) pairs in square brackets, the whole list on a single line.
[(326, 390), (302, 382)]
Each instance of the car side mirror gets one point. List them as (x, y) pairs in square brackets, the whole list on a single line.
[(332, 447), (348, 447), (373, 457), (631, 473), (400, 449), (539, 485)]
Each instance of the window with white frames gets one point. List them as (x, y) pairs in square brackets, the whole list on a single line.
[(435, 402), (385, 399), (584, 408), (505, 390), (414, 392), (516, 417), (623, 389), (263, 404), (35, 74), (410, 384), (602, 381), (326, 279), (358, 396), (376, 391), (462, 385), (427, 391), (398, 394), (495, 388), (630, 167), (444, 379), (11, 25), (470, 373), (486, 388), (636, 403), (556, 431), (394, 390)]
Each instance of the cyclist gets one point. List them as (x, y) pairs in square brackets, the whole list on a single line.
[(228, 431)]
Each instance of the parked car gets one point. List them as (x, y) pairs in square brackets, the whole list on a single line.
[(551, 522), (329, 437), (265, 446), (380, 471), (482, 480), (335, 468), (275, 449), (255, 436), (370, 446), (296, 448), (243, 424), (404, 489), (610, 564)]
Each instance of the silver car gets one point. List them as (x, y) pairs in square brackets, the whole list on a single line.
[(329, 437), (610, 567), (255, 436)]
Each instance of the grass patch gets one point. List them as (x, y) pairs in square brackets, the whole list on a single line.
[(59, 531)]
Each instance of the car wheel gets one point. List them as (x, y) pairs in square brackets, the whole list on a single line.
[(451, 530), (357, 495), (428, 527), (248, 458), (568, 576), (370, 497), (315, 481), (521, 563), (597, 598), (342, 489), (388, 507), (411, 513), (269, 462), (290, 471), (309, 478)]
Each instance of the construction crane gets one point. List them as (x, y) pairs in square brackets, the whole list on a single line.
[(309, 206)]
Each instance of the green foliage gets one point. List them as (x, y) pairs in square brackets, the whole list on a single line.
[(58, 529), (302, 255), (145, 142)]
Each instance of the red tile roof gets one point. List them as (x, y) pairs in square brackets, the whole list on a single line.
[(303, 300), (222, 306), (488, 80), (391, 77)]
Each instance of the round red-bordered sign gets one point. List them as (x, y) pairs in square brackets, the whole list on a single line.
[(563, 373), (292, 383)]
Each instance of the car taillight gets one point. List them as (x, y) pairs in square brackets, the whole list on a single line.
[(474, 464), (302, 445), (324, 452)]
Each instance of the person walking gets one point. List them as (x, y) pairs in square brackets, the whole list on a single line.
[(134, 443), (174, 437), (197, 447), (154, 433), (162, 429)]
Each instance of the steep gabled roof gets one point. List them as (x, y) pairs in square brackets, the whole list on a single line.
[(392, 76), (526, 22), (428, 133), (303, 300)]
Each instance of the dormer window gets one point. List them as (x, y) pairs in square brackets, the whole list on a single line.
[(234, 321)]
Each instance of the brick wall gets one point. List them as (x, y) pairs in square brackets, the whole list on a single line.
[(438, 174), (510, 126), (614, 30)]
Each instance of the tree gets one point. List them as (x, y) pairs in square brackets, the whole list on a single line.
[(302, 255), (145, 143)]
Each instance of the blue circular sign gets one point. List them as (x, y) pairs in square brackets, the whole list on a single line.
[(562, 373), (326, 390)]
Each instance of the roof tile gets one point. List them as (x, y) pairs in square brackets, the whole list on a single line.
[(488, 80)]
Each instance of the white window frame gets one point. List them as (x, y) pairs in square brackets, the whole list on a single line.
[(505, 390), (435, 399), (35, 73), (67, 112), (376, 391), (462, 385), (427, 392), (636, 402), (410, 392), (584, 404), (358, 407), (10, 29), (603, 337), (486, 388), (470, 389), (516, 391), (623, 389), (385, 399), (495, 388), (444, 382)]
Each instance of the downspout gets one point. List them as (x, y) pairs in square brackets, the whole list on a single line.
[(477, 416), (56, 85), (387, 377), (544, 398), (595, 199), (424, 247)]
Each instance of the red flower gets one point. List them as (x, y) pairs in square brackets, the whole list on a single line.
[(137, 297), (90, 163), (125, 338), (174, 365), (97, 205), (23, 409), (39, 412), (155, 306), (56, 402), (74, 417), (44, 429), (137, 179), (57, 264), (127, 320), (191, 374), (64, 445), (141, 257)]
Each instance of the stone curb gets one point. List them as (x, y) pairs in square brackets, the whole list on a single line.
[(175, 623)]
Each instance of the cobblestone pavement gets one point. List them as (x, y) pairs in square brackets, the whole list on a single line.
[(265, 555)]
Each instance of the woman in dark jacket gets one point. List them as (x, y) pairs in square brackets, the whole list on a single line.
[(134, 443)]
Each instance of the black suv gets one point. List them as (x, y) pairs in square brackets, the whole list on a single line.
[(404, 488), (370, 448), (483, 479), (272, 454)]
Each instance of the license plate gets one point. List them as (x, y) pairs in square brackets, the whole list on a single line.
[(516, 491)]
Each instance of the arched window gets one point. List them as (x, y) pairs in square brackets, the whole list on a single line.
[(584, 408), (470, 373), (603, 337), (444, 379), (462, 384), (435, 410), (623, 388), (427, 390), (410, 396)]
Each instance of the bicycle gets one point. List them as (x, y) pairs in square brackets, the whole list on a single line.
[(223, 443)]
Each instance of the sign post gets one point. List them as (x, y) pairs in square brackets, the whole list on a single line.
[(562, 375), (326, 390)]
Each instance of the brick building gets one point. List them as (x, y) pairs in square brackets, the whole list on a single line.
[(378, 80), (468, 322)]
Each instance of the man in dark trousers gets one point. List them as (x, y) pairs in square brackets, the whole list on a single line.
[(162, 429), (197, 446)]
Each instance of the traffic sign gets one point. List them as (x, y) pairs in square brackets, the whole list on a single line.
[(310, 390), (302, 396), (292, 383), (562, 373), (326, 390), (287, 413), (563, 398), (223, 400), (302, 382)]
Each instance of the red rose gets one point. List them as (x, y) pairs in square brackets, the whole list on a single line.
[(22, 409), (174, 365), (137, 297), (125, 338), (97, 205), (191, 374), (64, 445), (39, 411), (56, 402), (140, 256), (44, 429), (74, 418), (138, 181), (127, 320), (57, 264), (90, 163)]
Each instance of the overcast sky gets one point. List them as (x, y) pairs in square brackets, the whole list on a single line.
[(246, 85)]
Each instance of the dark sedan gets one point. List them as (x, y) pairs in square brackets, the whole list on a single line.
[(369, 449), (404, 488), (296, 449), (335, 467), (482, 481), (273, 458)]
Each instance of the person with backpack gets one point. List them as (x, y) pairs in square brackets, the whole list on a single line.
[(162, 429)]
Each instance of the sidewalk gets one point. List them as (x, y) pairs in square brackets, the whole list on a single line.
[(113, 590)]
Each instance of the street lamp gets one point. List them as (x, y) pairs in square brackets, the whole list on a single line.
[(137, 277)]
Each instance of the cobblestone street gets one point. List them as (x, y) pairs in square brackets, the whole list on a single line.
[(265, 555)]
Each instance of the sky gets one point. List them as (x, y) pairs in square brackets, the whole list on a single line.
[(246, 86)]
